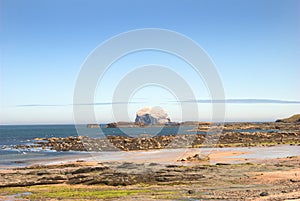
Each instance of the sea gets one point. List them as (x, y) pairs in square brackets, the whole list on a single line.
[(11, 135)]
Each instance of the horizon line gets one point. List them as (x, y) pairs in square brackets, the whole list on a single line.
[(228, 101)]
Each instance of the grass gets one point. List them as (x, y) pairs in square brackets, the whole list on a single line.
[(84, 194), (70, 192), (80, 192), (294, 118)]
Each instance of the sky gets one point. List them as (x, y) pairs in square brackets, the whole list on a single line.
[(254, 45)]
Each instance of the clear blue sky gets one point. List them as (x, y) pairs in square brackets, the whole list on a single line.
[(254, 44)]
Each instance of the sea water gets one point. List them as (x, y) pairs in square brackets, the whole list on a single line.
[(11, 135)]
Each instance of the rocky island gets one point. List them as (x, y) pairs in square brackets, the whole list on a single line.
[(145, 117)]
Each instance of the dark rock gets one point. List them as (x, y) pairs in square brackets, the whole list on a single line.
[(42, 172), (190, 192), (79, 179), (111, 125), (19, 162), (223, 164), (172, 166), (153, 164), (88, 169), (264, 194)]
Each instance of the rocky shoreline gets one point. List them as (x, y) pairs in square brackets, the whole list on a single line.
[(273, 179), (192, 176), (259, 134)]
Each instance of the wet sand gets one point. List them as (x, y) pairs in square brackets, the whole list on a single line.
[(232, 155)]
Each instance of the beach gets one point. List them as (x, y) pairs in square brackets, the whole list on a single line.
[(229, 174), (250, 161)]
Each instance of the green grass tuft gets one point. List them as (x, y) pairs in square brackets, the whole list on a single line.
[(69, 192)]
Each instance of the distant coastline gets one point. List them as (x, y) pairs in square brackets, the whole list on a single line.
[(123, 124)]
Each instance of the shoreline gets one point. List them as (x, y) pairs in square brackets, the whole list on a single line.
[(127, 143), (265, 179), (238, 166), (227, 155), (201, 135), (232, 155)]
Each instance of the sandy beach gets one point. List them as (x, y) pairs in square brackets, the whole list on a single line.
[(227, 174), (261, 164)]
